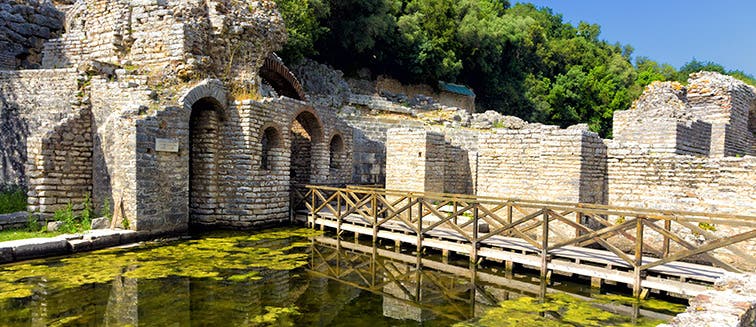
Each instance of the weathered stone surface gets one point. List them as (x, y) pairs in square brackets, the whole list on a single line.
[(27, 25), (101, 223), (732, 304), (37, 247), (53, 226)]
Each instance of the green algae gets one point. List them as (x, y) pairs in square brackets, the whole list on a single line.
[(221, 256), (558, 310), (276, 316), (651, 304)]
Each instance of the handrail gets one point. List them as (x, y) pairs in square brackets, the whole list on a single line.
[(583, 207), (423, 213)]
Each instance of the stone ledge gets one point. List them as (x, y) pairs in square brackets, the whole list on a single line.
[(33, 248)]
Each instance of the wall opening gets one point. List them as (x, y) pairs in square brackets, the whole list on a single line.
[(270, 141), (204, 125), (305, 133), (337, 153)]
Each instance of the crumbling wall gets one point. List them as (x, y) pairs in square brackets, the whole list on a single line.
[(26, 26), (176, 39), (725, 103), (661, 118), (31, 101), (59, 167)]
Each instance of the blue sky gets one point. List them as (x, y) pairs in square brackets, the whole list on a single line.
[(672, 31)]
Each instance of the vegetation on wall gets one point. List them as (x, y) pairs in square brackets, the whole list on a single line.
[(520, 60)]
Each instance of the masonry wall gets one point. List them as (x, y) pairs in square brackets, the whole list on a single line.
[(26, 26), (369, 165), (638, 177), (31, 101), (460, 160), (115, 103), (544, 163), (725, 103), (59, 167), (244, 194), (664, 134), (415, 160)]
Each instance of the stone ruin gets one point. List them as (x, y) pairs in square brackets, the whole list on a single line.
[(154, 108), (178, 113)]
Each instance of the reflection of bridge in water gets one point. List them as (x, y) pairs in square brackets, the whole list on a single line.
[(421, 289), (642, 248)]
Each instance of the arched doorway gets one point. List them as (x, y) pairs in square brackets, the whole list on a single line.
[(204, 132), (306, 148)]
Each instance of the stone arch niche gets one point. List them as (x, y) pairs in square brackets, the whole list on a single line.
[(204, 142), (337, 154), (308, 150), (272, 150)]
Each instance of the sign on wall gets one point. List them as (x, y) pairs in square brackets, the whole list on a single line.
[(166, 145)]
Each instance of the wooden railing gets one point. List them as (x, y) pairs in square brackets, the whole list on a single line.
[(641, 238)]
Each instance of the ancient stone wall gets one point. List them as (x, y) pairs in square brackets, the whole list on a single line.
[(370, 143), (415, 160), (544, 163), (725, 103), (31, 101), (460, 160), (26, 26), (115, 105), (59, 166), (640, 177), (181, 40), (229, 186)]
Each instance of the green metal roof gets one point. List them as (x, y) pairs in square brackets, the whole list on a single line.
[(456, 88)]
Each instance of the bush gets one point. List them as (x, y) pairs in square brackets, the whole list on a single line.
[(73, 223), (12, 199)]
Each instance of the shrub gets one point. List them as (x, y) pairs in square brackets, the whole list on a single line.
[(12, 199)]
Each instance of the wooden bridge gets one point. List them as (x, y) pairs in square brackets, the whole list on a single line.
[(421, 285), (671, 251)]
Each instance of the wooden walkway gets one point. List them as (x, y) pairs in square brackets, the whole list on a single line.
[(424, 281), (600, 242)]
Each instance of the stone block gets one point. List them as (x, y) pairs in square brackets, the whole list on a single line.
[(101, 223), (39, 247)]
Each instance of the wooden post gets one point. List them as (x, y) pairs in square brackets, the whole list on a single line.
[(665, 246), (508, 268), (455, 212), (638, 257), (544, 244), (579, 221), (374, 204), (509, 216), (338, 214), (419, 229), (474, 250)]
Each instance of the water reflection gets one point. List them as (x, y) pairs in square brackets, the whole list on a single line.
[(336, 284)]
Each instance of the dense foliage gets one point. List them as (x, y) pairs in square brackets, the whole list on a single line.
[(520, 60)]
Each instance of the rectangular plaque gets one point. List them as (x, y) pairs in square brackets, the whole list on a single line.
[(166, 145)]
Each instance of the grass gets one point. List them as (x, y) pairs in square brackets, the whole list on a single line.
[(12, 200), (19, 234)]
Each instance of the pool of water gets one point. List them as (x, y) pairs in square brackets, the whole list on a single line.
[(294, 277)]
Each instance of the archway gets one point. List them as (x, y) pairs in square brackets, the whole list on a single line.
[(275, 73), (306, 148), (204, 132)]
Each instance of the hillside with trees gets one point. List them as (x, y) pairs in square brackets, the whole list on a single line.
[(519, 59)]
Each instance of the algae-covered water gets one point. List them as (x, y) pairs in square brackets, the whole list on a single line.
[(284, 277)]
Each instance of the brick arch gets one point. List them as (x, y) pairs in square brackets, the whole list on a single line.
[(281, 78), (310, 120), (209, 89)]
